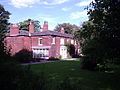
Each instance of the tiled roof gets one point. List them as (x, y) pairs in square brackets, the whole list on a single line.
[(44, 33), (52, 33), (24, 33), (21, 33)]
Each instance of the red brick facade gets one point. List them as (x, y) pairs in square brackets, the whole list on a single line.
[(45, 44)]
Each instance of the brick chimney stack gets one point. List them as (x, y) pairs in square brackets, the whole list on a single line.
[(31, 27), (14, 30), (62, 30), (45, 26)]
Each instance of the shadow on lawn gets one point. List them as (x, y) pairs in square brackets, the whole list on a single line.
[(69, 76)]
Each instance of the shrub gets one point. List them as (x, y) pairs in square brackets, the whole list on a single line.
[(16, 77), (53, 58), (70, 49), (23, 56), (94, 53), (88, 62)]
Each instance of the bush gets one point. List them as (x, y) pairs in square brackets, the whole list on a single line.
[(23, 56), (53, 59), (16, 77), (88, 62), (70, 49), (94, 53)]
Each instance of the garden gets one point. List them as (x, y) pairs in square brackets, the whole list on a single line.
[(67, 75)]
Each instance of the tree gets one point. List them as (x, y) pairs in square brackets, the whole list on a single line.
[(4, 16), (12, 75), (70, 49), (105, 33), (107, 25), (37, 26), (85, 33), (25, 25), (69, 28)]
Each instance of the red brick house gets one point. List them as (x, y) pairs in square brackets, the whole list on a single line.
[(44, 44)]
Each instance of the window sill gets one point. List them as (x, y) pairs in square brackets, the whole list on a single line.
[(40, 44)]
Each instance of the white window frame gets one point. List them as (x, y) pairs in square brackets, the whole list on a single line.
[(62, 41), (72, 41), (40, 41), (67, 40), (75, 42), (53, 40)]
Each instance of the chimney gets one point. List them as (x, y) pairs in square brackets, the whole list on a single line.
[(14, 29), (31, 27), (62, 30), (45, 26)]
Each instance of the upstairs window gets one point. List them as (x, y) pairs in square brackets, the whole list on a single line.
[(75, 43), (72, 41), (62, 41), (40, 41), (67, 40), (53, 40)]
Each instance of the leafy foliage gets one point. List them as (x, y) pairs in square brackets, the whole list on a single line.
[(86, 33), (12, 75), (25, 25), (94, 54), (23, 56), (101, 40), (69, 28), (107, 25), (70, 49), (4, 16), (16, 77)]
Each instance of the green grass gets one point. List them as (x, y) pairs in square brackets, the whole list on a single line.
[(57, 72)]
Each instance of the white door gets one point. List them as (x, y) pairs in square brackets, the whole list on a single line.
[(63, 51)]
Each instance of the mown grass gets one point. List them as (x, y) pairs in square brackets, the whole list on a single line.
[(70, 71)]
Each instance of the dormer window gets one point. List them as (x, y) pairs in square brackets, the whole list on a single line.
[(40, 41), (53, 40)]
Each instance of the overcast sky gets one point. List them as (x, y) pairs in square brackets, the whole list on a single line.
[(53, 11)]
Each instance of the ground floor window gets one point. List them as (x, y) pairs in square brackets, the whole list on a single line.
[(40, 53)]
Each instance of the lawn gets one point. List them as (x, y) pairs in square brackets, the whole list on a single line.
[(69, 73)]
